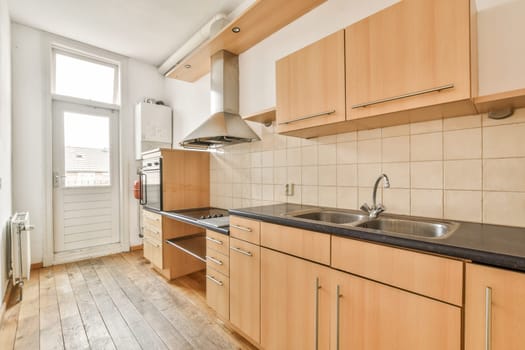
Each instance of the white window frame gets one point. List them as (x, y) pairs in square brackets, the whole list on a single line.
[(81, 55)]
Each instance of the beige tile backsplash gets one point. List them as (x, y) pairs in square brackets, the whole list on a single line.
[(468, 168)]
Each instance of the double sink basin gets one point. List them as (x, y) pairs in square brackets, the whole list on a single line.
[(388, 224)]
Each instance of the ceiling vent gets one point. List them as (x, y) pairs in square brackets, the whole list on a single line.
[(211, 28)]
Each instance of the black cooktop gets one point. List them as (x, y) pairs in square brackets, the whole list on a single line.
[(203, 213)]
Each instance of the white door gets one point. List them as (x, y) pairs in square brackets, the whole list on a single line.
[(85, 177)]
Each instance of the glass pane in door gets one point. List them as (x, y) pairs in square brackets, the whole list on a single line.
[(86, 147)]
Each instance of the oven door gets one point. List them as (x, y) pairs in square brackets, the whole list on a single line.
[(151, 187)]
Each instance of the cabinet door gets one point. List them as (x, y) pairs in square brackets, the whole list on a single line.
[(245, 263), (370, 315), (310, 85), (295, 311), (494, 309), (411, 47), (218, 293)]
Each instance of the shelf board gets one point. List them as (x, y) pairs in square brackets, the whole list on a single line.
[(266, 116), (513, 99), (194, 245), (259, 21)]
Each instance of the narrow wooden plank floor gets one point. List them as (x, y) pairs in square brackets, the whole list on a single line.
[(114, 302)]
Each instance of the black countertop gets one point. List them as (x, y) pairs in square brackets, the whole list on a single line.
[(495, 245), (179, 216)]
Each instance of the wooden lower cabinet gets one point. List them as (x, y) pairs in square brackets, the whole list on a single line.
[(371, 315), (218, 293), (152, 230), (494, 308), (245, 288), (153, 251), (295, 311), (217, 273)]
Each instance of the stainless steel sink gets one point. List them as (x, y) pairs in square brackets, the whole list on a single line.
[(328, 216), (419, 228)]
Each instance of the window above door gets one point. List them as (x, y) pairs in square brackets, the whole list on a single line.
[(84, 77)]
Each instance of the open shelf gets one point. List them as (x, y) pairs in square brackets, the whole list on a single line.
[(259, 21), (494, 102), (194, 245), (266, 116)]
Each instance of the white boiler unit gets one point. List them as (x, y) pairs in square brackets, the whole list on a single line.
[(153, 127)]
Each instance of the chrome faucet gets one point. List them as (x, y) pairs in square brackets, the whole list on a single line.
[(376, 209)]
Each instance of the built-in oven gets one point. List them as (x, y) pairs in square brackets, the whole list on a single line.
[(151, 183)]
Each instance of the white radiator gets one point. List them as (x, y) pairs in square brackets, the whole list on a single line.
[(20, 247)]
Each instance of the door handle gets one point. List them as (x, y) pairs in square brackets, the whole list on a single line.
[(57, 180)]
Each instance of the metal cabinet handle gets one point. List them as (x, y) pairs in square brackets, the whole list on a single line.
[(212, 259), (308, 117), (214, 280), (143, 189), (316, 334), (410, 94), (338, 296), (211, 239), (488, 318), (238, 250), (242, 228)]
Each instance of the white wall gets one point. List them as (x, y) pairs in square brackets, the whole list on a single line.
[(5, 137), (191, 105), (30, 103), (143, 80)]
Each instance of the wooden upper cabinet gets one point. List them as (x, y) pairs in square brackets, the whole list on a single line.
[(494, 308), (185, 179), (417, 56), (310, 86)]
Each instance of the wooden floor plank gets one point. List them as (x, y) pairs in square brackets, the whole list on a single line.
[(27, 333), (115, 302), (96, 331), (72, 327), (122, 336), (169, 334), (195, 323), (143, 332), (9, 326), (50, 325), (9, 323)]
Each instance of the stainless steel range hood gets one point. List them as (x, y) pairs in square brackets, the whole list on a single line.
[(225, 126)]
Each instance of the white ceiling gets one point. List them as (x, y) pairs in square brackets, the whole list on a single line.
[(148, 30)]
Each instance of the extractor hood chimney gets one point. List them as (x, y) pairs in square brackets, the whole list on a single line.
[(225, 126)]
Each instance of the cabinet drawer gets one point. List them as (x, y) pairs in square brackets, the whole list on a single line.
[(153, 251), (430, 275), (152, 233), (309, 245), (151, 220), (218, 293), (217, 262), (245, 229), (218, 242)]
